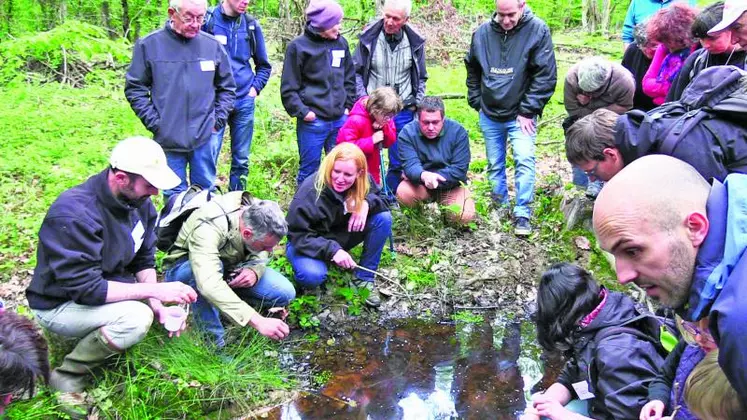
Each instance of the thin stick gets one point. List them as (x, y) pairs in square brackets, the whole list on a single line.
[(475, 308), (407, 294)]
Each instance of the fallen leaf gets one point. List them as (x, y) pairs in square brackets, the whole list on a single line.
[(582, 243)]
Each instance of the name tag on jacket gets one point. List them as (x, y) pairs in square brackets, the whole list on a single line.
[(337, 56), (207, 65)]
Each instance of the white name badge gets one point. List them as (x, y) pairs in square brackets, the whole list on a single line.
[(337, 56), (582, 389), (222, 39), (207, 65), (138, 234)]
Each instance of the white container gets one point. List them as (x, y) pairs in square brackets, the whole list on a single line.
[(175, 317)]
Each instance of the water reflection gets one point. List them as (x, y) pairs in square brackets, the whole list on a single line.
[(425, 371)]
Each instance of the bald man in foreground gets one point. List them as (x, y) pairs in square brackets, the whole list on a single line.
[(667, 228)]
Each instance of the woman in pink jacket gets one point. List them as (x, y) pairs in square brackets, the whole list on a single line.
[(669, 27), (370, 126)]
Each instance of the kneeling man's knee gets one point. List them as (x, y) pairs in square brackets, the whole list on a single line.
[(131, 326)]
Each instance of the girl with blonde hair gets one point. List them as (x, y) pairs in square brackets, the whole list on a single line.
[(332, 212)]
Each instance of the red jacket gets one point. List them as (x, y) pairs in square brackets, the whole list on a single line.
[(358, 129)]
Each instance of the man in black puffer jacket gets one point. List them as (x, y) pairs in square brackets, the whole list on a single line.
[(511, 74)]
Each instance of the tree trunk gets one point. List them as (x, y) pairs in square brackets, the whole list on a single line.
[(62, 12), (106, 18), (606, 13), (125, 17), (9, 16)]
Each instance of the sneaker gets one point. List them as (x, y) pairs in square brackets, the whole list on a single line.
[(522, 227), (374, 298)]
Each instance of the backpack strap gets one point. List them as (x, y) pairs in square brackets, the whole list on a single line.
[(209, 24)]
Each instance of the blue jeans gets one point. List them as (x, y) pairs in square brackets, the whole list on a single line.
[(394, 174), (311, 272), (496, 133), (271, 290), (241, 122), (202, 166), (312, 137)]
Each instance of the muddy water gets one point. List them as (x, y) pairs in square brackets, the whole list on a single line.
[(421, 370)]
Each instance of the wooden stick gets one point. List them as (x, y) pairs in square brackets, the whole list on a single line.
[(476, 308), (407, 294)]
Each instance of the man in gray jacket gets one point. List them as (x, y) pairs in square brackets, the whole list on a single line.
[(511, 74), (180, 86)]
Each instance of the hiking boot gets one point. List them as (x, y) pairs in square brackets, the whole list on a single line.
[(73, 376), (374, 298), (522, 227)]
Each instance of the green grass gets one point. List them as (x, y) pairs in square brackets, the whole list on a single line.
[(179, 378)]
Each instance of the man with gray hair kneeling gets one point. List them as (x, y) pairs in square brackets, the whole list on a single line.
[(222, 250)]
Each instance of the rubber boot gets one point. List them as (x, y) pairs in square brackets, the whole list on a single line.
[(72, 377)]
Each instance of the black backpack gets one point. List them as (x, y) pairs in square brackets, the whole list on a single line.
[(702, 111), (175, 213)]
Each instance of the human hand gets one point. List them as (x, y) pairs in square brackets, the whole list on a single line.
[(431, 179), (253, 92), (310, 116), (343, 259), (357, 220), (653, 410), (550, 408), (161, 314), (244, 278), (173, 292), (378, 137), (270, 327), (583, 99), (530, 414), (526, 125)]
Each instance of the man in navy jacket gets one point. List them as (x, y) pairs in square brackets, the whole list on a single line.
[(180, 86), (241, 36), (667, 228), (435, 156), (96, 262)]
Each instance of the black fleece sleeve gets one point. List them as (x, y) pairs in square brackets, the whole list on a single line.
[(543, 76), (72, 249), (661, 387), (302, 216)]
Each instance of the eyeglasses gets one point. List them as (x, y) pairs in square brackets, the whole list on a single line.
[(593, 171), (692, 329), (188, 20)]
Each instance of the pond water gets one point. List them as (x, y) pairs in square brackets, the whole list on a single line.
[(420, 370)]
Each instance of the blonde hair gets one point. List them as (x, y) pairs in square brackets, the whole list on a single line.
[(383, 101), (357, 192), (708, 393)]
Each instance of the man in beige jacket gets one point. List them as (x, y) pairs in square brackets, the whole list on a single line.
[(222, 250)]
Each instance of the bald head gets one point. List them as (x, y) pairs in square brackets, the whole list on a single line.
[(656, 188)]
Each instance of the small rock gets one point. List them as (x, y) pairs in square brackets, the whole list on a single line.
[(582, 243)]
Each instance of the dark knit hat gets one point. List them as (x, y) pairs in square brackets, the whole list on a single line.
[(323, 14)]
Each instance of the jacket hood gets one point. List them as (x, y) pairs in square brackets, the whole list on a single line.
[(525, 18), (712, 86), (618, 309), (360, 108), (723, 247)]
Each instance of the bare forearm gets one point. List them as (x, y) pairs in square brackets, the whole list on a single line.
[(118, 291), (559, 393), (149, 276)]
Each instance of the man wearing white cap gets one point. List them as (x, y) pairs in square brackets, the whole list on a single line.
[(96, 263), (735, 20)]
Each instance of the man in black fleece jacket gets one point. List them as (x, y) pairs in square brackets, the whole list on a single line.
[(318, 84), (511, 74), (96, 262)]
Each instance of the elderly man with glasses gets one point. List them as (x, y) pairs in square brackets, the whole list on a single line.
[(180, 86)]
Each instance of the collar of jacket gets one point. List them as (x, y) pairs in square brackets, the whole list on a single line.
[(106, 197), (172, 32), (313, 34), (334, 195), (525, 17), (369, 35)]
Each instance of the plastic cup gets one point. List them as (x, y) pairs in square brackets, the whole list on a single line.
[(175, 317)]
